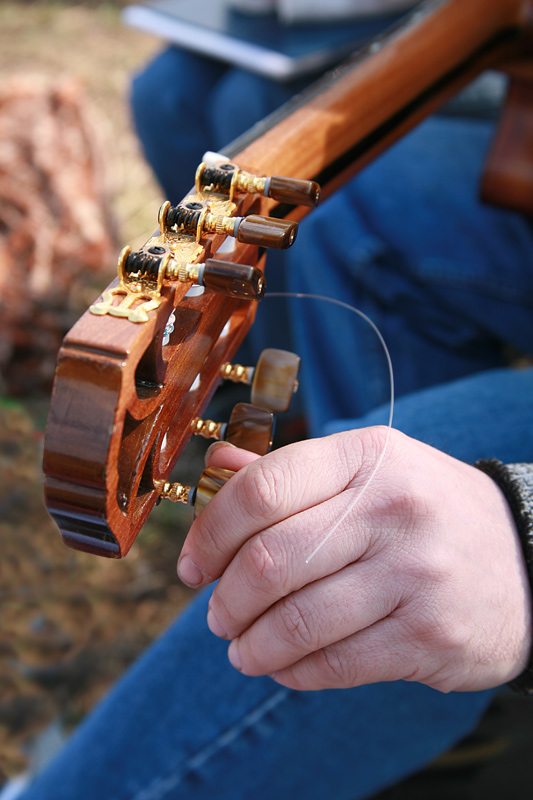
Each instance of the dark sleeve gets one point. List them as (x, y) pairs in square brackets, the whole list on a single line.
[(516, 482)]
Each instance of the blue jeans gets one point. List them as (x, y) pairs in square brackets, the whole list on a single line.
[(184, 104), (448, 281), (451, 286), (182, 723)]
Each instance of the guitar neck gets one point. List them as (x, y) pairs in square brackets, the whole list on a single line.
[(356, 111)]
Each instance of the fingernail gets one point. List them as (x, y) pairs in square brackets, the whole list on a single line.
[(212, 447), (189, 573), (233, 655), (215, 626)]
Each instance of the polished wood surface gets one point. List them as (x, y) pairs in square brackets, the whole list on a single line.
[(508, 177), (357, 111), (122, 402)]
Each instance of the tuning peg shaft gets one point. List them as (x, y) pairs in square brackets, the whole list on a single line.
[(249, 427), (211, 481)]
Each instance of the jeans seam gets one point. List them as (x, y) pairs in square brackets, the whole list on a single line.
[(162, 785)]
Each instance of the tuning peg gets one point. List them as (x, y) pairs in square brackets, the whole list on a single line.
[(274, 379), (249, 427), (195, 219), (211, 480), (229, 178), (223, 277)]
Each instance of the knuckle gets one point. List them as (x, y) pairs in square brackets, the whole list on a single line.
[(360, 450), (297, 626), (264, 564), (430, 630), (263, 489), (333, 669), (370, 442), (409, 507), (224, 615), (429, 572), (374, 439), (407, 511), (207, 539)]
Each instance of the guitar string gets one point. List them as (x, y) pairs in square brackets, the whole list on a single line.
[(351, 505)]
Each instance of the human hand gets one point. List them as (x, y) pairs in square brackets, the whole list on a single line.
[(424, 579)]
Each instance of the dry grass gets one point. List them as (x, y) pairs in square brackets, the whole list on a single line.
[(70, 623), (90, 44)]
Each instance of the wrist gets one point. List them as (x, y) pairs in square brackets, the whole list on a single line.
[(516, 483)]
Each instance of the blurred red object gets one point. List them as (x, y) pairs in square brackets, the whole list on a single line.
[(57, 239)]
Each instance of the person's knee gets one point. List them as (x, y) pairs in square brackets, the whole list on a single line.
[(174, 81), (150, 87)]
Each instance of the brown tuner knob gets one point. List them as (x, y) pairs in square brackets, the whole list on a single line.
[(275, 379), (251, 428), (235, 280), (266, 232), (292, 190), (211, 481)]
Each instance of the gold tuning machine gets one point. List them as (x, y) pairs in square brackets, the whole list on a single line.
[(273, 380), (195, 219), (248, 427), (224, 277), (211, 480), (228, 179)]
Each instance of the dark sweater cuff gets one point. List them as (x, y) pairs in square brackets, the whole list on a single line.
[(516, 482)]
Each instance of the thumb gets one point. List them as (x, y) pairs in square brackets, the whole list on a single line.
[(227, 456)]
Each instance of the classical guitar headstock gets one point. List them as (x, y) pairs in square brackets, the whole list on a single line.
[(137, 371), (141, 365)]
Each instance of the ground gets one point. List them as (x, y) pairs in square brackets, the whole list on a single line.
[(69, 622)]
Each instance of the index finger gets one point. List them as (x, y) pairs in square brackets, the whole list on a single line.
[(271, 489)]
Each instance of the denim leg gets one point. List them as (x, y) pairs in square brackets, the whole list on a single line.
[(242, 99), (184, 104), (170, 102), (449, 282), (183, 723), (487, 415)]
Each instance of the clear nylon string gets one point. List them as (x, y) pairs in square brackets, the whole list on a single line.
[(348, 307)]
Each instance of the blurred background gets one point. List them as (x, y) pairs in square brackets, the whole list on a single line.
[(73, 190)]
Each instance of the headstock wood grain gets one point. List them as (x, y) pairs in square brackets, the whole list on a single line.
[(123, 401)]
